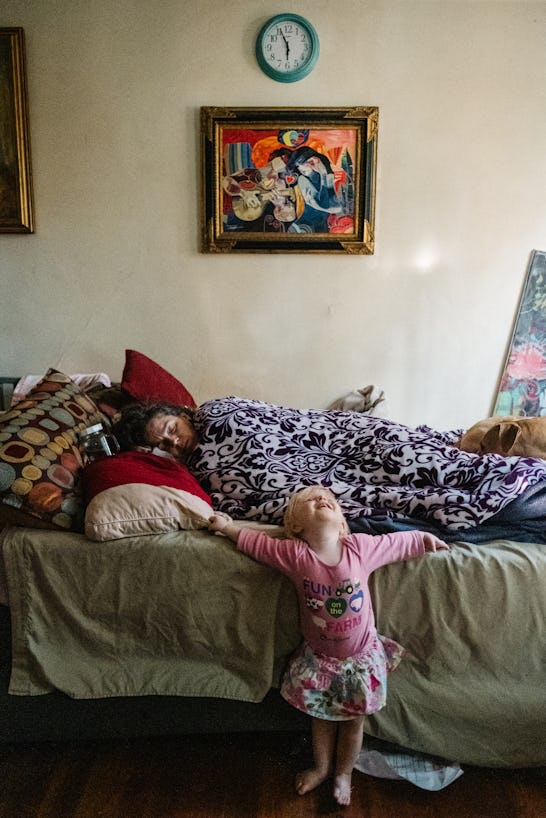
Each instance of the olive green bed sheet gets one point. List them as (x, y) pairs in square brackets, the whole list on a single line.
[(184, 614)]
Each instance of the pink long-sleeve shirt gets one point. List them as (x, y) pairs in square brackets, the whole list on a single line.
[(336, 612)]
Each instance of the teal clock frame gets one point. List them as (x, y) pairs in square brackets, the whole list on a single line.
[(299, 73)]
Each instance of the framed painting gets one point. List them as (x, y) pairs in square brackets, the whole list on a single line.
[(288, 180), (16, 207), (522, 387)]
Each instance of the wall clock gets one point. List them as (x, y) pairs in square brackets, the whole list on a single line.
[(287, 47)]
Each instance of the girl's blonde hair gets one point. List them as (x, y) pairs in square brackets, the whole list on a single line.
[(291, 514)]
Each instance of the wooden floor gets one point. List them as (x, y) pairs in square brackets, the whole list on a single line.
[(244, 776)]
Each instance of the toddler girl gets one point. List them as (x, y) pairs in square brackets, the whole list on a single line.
[(338, 675)]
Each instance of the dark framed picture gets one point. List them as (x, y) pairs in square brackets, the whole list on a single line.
[(288, 180), (16, 206), (522, 388)]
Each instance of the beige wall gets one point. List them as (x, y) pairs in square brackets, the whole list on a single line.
[(115, 89)]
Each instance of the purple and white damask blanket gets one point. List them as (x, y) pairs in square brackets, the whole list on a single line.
[(253, 455)]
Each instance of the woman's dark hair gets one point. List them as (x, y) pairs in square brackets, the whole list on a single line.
[(130, 428)]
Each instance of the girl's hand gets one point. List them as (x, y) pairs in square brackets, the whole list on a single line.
[(219, 521), (432, 543)]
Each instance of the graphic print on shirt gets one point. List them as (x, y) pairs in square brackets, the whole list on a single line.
[(356, 601), (346, 597), (347, 586)]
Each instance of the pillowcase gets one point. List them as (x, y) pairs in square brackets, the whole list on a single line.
[(138, 508), (40, 463), (144, 380), (85, 380), (136, 493)]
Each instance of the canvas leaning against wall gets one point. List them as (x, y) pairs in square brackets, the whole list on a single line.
[(522, 389)]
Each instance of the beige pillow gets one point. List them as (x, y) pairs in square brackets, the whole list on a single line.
[(138, 508)]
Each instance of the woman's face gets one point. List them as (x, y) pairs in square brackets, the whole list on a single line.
[(174, 434)]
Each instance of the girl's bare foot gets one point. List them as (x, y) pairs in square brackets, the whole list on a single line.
[(342, 789), (308, 780)]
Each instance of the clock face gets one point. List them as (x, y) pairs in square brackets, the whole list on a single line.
[(287, 47)]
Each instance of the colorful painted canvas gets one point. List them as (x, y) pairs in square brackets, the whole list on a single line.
[(279, 180), (522, 389)]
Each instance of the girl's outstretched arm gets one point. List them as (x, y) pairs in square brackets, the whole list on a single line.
[(223, 524)]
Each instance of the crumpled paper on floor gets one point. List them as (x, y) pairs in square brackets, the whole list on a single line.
[(423, 771)]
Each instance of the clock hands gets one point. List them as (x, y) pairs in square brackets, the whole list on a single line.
[(286, 44)]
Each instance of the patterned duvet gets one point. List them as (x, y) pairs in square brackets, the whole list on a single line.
[(253, 455)]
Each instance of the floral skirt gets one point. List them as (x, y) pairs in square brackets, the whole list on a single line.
[(341, 689)]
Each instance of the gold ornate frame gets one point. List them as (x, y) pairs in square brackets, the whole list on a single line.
[(16, 205), (289, 180)]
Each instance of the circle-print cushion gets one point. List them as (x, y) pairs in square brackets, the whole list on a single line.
[(40, 462)]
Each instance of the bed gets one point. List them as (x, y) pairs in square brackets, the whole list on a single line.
[(167, 629)]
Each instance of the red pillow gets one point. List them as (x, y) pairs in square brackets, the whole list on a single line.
[(138, 467), (145, 380)]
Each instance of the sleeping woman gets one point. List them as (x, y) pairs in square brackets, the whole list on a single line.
[(250, 456)]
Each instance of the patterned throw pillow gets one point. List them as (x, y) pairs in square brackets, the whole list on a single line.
[(40, 463)]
